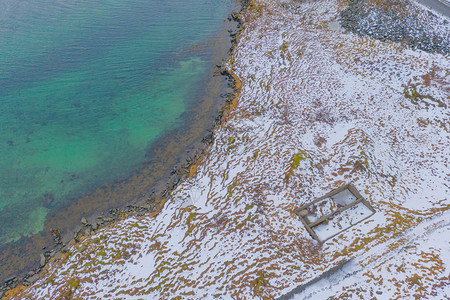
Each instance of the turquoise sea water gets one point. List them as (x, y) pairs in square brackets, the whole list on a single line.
[(85, 87)]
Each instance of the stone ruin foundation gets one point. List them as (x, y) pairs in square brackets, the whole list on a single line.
[(335, 212)]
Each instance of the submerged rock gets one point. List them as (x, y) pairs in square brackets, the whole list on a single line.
[(42, 262), (33, 278), (10, 279)]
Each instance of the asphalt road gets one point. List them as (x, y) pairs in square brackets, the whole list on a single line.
[(441, 6)]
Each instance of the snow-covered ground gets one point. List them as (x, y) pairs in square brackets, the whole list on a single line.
[(417, 266), (318, 108)]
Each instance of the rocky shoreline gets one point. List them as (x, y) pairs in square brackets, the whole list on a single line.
[(144, 206)]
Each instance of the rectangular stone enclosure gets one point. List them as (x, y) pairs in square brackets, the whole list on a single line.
[(335, 212)]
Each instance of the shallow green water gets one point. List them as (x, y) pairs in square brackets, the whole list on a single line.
[(85, 87)]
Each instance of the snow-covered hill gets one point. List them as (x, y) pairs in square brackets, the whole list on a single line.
[(319, 107)]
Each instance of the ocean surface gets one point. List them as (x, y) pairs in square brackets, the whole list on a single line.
[(86, 87)]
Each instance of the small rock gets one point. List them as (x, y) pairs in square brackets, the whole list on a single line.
[(146, 207), (10, 279), (82, 248), (42, 262), (84, 221), (95, 226), (87, 231), (303, 213), (379, 292)]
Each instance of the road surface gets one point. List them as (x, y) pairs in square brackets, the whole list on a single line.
[(441, 6)]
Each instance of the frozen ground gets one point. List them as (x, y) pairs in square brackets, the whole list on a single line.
[(319, 107), (418, 259)]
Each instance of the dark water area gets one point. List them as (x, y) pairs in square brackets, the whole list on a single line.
[(99, 103)]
